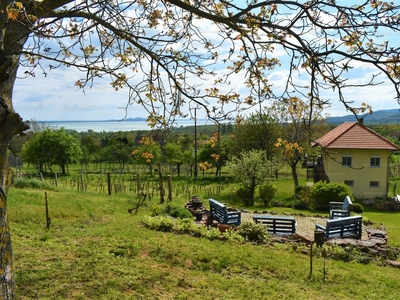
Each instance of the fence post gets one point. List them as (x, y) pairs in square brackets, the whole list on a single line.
[(138, 183), (47, 211), (109, 182), (161, 187), (82, 183), (169, 188)]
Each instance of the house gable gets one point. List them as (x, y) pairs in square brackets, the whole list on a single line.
[(357, 156), (353, 135)]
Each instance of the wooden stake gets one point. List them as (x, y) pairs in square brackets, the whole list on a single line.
[(169, 188), (47, 211), (161, 187)]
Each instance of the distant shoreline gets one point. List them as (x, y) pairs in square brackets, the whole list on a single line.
[(137, 124)]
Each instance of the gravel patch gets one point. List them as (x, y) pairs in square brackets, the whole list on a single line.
[(305, 225)]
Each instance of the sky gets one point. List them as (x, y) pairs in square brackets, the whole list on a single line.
[(55, 98)]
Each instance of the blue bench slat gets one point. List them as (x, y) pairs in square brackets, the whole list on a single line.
[(277, 224), (340, 209), (222, 215), (343, 227)]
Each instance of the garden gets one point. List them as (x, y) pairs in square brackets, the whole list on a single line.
[(126, 246)]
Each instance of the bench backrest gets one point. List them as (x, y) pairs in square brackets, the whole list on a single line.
[(218, 210), (347, 204), (220, 213), (277, 224), (344, 227)]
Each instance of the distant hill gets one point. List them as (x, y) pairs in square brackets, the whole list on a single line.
[(389, 116)]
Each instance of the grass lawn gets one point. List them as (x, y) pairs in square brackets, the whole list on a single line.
[(95, 249)]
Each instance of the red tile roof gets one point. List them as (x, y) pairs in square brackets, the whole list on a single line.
[(352, 135)]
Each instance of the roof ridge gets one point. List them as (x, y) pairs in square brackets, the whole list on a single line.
[(380, 136), (354, 135), (343, 132)]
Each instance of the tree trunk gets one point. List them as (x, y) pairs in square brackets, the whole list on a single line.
[(294, 174), (63, 169), (10, 125), (252, 190)]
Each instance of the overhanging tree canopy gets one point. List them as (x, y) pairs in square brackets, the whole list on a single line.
[(172, 54)]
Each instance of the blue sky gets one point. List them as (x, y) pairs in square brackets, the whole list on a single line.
[(55, 97)]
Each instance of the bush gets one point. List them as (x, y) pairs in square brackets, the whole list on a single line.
[(300, 204), (322, 193), (244, 195), (253, 232), (21, 183), (178, 212), (358, 208), (156, 210), (302, 190), (159, 223), (186, 226), (303, 197), (267, 192)]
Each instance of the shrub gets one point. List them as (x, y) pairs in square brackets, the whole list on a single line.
[(21, 183), (159, 223), (156, 210), (253, 232), (244, 195), (267, 192), (302, 190), (322, 193), (279, 203), (300, 204), (178, 212), (358, 208), (303, 196)]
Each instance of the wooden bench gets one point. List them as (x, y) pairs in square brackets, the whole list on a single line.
[(340, 209), (348, 227), (222, 215), (277, 224)]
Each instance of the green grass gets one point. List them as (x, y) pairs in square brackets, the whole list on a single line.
[(95, 249)]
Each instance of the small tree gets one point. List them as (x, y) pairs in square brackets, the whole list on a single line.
[(52, 147), (301, 122), (175, 154), (215, 152), (148, 152), (251, 168), (292, 155)]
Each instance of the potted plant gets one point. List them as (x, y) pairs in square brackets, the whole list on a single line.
[(198, 213), (196, 202)]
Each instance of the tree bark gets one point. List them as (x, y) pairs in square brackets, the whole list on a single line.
[(12, 39), (294, 174)]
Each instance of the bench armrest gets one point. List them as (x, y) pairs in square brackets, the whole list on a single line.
[(317, 226)]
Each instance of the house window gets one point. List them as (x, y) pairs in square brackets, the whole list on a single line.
[(375, 161), (374, 184), (349, 183), (346, 160)]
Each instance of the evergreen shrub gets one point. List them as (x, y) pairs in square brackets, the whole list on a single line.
[(267, 192), (322, 193)]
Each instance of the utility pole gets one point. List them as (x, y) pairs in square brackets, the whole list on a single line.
[(195, 144)]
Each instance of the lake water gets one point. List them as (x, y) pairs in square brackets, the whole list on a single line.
[(107, 126)]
